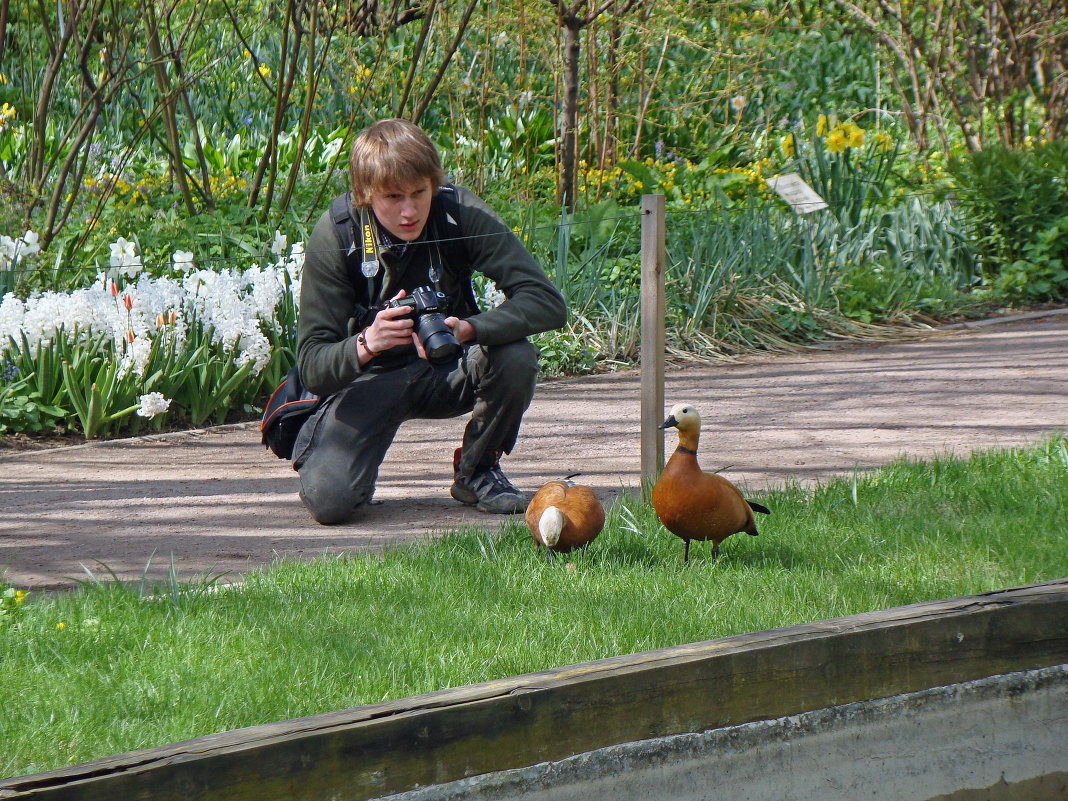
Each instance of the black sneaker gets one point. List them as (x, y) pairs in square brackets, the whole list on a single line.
[(489, 490)]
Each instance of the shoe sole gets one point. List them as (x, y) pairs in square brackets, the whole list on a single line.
[(463, 495)]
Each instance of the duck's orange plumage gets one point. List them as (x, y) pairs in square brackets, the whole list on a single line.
[(562, 516), (693, 504)]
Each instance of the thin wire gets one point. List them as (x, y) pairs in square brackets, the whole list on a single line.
[(718, 208), (245, 258)]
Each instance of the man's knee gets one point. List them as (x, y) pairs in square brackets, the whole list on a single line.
[(515, 362), (331, 504)]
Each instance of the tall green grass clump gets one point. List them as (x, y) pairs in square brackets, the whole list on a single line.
[(109, 668)]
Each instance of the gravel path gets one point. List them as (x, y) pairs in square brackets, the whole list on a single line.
[(218, 501)]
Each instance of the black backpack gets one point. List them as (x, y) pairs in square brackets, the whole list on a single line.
[(291, 404)]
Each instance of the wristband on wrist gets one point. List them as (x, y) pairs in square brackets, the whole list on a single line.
[(362, 340)]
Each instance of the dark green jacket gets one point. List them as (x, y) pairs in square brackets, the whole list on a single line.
[(326, 330)]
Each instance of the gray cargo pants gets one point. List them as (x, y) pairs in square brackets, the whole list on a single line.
[(340, 448)]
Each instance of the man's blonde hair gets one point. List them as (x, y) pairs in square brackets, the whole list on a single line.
[(391, 154)]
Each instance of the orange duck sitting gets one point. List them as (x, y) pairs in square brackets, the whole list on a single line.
[(563, 515), (693, 504)]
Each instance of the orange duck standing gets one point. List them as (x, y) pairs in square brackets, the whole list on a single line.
[(693, 504), (563, 515)]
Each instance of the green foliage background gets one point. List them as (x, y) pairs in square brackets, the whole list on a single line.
[(201, 127)]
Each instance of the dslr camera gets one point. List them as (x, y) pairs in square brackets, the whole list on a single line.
[(427, 306)]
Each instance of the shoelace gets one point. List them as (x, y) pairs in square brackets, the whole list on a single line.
[(496, 476)]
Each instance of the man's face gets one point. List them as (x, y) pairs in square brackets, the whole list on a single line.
[(403, 210)]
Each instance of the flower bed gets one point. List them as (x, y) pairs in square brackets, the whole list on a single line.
[(188, 346)]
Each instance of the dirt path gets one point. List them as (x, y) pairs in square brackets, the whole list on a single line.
[(218, 501)]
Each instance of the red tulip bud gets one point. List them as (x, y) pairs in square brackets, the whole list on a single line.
[(130, 336), (127, 301)]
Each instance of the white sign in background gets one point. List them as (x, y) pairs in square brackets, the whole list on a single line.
[(793, 189)]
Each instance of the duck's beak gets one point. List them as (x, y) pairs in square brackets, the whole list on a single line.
[(671, 422)]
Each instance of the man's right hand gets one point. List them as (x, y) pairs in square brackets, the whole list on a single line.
[(390, 328)]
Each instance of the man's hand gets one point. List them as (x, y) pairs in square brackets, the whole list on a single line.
[(390, 328), (461, 329)]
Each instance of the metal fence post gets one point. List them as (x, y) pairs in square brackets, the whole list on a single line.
[(653, 258)]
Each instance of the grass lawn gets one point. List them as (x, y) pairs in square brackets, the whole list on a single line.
[(107, 669)]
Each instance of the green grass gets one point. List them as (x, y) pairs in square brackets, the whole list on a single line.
[(131, 669)]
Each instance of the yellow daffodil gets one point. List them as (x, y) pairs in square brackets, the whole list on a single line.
[(853, 134), (264, 71), (821, 125), (786, 145), (835, 141)]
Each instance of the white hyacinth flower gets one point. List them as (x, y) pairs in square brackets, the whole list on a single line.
[(120, 250), (124, 258), (7, 251), (281, 242), (136, 356), (30, 244), (183, 260), (492, 296), (237, 306), (152, 404), (12, 313)]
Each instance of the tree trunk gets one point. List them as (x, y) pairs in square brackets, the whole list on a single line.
[(565, 190), (166, 102)]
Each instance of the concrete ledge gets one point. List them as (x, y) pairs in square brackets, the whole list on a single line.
[(1000, 738)]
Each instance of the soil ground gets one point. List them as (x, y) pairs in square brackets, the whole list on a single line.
[(217, 501)]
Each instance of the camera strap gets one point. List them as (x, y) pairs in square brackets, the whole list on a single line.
[(372, 245), (437, 264)]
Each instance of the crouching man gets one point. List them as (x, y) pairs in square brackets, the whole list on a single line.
[(389, 329)]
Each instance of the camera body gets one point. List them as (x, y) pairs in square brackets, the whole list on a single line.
[(427, 308)]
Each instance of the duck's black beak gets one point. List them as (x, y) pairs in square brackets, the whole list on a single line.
[(671, 422)]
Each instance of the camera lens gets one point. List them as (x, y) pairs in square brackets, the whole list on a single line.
[(438, 342)]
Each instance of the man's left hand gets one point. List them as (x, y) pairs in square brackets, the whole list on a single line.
[(461, 329)]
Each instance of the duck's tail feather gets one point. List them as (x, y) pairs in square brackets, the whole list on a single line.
[(756, 507)]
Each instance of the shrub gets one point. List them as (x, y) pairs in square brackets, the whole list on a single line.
[(1043, 273), (1014, 201)]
